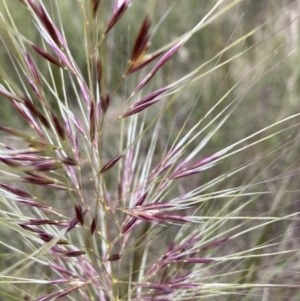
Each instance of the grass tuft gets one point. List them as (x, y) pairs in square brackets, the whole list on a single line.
[(149, 150)]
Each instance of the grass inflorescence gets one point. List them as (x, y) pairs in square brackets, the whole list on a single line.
[(149, 150)]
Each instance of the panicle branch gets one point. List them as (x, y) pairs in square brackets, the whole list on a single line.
[(84, 227)]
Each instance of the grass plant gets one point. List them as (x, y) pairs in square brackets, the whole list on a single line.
[(149, 150)]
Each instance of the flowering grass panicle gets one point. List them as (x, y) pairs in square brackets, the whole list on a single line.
[(147, 158)]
